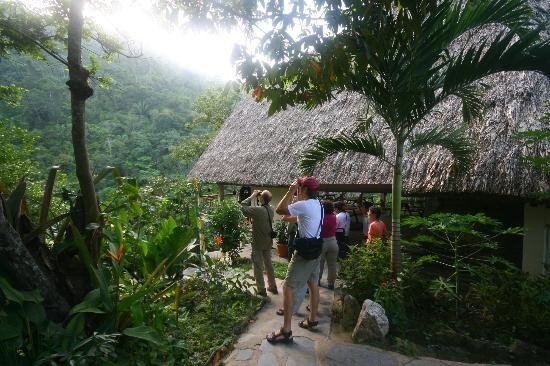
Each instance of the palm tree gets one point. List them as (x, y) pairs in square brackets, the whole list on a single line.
[(405, 57)]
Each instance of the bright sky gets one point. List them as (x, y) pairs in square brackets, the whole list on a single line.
[(207, 54)]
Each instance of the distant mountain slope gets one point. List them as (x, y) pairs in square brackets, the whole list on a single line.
[(132, 124)]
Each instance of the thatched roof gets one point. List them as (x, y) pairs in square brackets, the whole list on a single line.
[(254, 149)]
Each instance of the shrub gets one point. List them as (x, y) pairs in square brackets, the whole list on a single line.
[(509, 304), (225, 227), (280, 269), (390, 295), (365, 268), (280, 229), (455, 245)]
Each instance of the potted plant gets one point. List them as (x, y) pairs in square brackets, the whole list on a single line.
[(282, 239)]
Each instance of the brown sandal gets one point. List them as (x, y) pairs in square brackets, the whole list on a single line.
[(280, 311), (280, 337), (308, 324)]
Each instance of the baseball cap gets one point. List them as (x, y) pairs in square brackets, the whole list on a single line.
[(310, 182)]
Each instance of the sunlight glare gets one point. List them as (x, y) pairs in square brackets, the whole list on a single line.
[(205, 53)]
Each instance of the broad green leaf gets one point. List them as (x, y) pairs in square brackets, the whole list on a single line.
[(13, 203), (91, 304), (9, 331), (144, 332), (34, 312), (17, 296), (74, 329), (102, 279)]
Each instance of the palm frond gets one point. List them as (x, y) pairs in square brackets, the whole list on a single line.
[(326, 146), (528, 53), (477, 61), (450, 19), (364, 123), (453, 141), (511, 13), (472, 104)]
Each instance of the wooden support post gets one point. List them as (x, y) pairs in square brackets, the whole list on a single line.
[(221, 189)]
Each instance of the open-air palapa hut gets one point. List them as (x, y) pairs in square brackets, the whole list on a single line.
[(256, 150)]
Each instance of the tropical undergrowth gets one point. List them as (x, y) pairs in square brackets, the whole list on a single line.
[(155, 298), (454, 292)]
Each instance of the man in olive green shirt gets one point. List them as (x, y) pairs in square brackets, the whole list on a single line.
[(262, 222)]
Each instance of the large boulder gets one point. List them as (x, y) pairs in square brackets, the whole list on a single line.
[(350, 312), (372, 324)]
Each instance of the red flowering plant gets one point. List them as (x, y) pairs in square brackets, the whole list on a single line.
[(225, 228)]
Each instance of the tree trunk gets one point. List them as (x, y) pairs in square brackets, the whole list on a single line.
[(21, 267), (397, 184), (80, 91)]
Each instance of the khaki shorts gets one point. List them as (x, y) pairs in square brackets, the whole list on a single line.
[(300, 271)]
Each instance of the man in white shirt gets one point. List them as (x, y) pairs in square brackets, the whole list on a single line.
[(343, 222), (308, 210)]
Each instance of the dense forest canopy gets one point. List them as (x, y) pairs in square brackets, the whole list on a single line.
[(134, 123)]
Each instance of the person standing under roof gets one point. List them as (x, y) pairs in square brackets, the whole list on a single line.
[(262, 222), (343, 222), (308, 210), (377, 228), (364, 207), (330, 246)]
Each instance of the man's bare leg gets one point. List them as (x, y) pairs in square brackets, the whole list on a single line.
[(313, 299), (288, 297)]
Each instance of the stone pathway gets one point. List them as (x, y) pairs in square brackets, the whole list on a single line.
[(325, 346)]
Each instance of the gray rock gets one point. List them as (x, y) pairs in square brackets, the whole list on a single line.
[(337, 310), (372, 323), (244, 354), (302, 352), (350, 312), (357, 355)]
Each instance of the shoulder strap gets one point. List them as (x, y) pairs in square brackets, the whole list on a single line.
[(269, 216), (322, 215)]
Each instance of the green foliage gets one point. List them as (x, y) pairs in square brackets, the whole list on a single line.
[(23, 322), (390, 295), (212, 107), (11, 94), (225, 227), (457, 244), (405, 57), (16, 147), (537, 138), (505, 304), (27, 335), (280, 228), (98, 349), (148, 106), (202, 325), (373, 46), (151, 222), (26, 32), (280, 269), (406, 347), (365, 268)]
